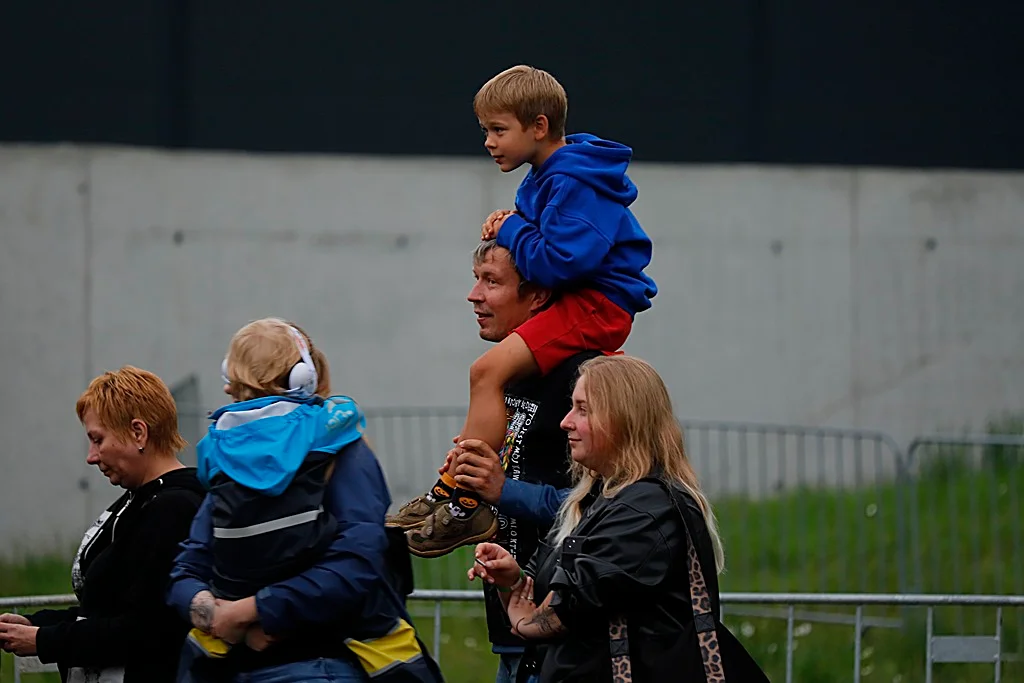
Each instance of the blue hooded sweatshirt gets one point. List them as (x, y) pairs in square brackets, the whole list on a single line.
[(262, 443), (574, 227)]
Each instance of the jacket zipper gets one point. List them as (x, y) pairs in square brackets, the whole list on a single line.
[(113, 528)]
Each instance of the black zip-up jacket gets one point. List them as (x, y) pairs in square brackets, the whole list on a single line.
[(122, 620)]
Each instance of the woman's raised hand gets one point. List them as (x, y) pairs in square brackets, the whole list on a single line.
[(495, 565)]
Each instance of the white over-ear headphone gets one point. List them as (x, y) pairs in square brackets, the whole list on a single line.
[(302, 380)]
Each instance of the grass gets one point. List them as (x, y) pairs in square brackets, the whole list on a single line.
[(34, 576), (961, 532)]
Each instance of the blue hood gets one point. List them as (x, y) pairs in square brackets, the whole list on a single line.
[(599, 163), (262, 443)]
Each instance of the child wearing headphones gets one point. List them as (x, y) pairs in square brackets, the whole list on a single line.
[(266, 461)]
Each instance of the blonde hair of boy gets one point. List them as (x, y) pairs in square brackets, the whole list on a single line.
[(632, 421), (261, 356), (526, 93)]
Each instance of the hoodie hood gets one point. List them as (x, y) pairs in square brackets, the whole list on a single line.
[(262, 443), (598, 163)]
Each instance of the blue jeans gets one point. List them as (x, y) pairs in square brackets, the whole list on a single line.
[(508, 667), (317, 670)]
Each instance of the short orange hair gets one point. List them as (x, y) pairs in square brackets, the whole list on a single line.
[(527, 93), (129, 394)]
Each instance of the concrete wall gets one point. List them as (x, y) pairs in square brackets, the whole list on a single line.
[(856, 298)]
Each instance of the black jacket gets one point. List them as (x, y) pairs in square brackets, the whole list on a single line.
[(536, 451), (123, 572), (247, 555), (631, 561)]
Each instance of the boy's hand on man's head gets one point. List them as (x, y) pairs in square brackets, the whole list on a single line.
[(494, 222)]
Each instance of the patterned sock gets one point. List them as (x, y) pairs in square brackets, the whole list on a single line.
[(463, 503), (442, 489)]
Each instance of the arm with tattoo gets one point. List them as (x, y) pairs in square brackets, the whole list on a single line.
[(201, 611), (528, 620), (543, 623)]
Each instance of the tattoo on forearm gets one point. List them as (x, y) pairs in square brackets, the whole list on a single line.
[(201, 612), (546, 621)]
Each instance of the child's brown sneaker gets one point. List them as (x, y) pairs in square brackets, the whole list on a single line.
[(443, 532), (416, 512)]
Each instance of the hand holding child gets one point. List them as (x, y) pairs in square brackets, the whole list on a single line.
[(232, 619), (257, 639)]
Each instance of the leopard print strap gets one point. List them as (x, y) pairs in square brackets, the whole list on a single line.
[(622, 668), (703, 620)]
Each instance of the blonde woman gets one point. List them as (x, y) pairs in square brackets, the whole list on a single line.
[(618, 552), (284, 572)]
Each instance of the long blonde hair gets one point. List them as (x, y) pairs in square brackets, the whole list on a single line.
[(633, 425)]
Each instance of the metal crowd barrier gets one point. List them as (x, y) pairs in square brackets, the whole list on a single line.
[(940, 649), (850, 509)]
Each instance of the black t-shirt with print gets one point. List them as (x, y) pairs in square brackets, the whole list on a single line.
[(535, 451)]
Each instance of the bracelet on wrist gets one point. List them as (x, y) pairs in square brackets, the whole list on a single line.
[(515, 585)]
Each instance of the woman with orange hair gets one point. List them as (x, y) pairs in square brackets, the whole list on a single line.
[(121, 631)]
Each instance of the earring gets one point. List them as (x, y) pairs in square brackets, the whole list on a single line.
[(141, 448)]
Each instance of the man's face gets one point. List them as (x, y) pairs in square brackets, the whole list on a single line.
[(495, 297), (508, 143)]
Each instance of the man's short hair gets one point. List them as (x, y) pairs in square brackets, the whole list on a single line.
[(527, 93), (486, 247)]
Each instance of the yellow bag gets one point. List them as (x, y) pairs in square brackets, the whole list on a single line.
[(211, 646), (380, 655)]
